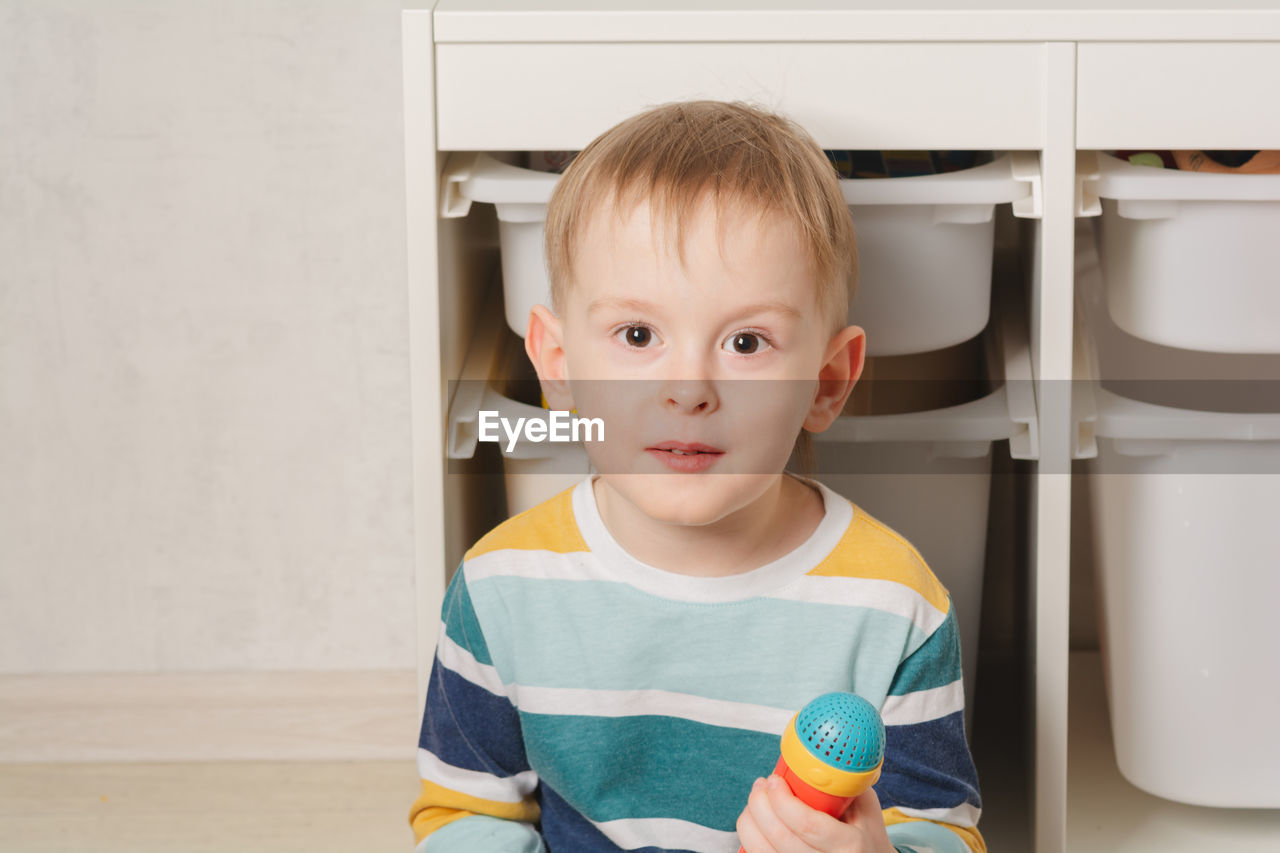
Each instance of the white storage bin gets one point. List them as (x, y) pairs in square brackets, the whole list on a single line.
[(929, 471), (1191, 259), (1186, 545), (925, 243)]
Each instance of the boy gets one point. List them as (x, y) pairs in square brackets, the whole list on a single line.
[(616, 664)]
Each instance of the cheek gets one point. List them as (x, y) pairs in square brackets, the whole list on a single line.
[(752, 407), (769, 404), (620, 403), (592, 356)]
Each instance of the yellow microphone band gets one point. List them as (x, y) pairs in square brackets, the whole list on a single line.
[(817, 773)]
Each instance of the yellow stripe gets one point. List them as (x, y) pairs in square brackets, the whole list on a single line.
[(871, 550), (438, 806), (549, 526), (433, 818), (968, 834)]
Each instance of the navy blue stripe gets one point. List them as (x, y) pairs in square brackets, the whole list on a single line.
[(928, 766), (564, 830), (467, 726)]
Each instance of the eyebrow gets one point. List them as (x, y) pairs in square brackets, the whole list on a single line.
[(641, 306)]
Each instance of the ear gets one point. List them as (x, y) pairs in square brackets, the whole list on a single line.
[(544, 343), (837, 376)]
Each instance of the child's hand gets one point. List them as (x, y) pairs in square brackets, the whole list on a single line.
[(775, 821)]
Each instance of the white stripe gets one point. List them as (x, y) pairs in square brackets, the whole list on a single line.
[(759, 582), (537, 565), (464, 663), (923, 705), (502, 789), (668, 833), (634, 703), (963, 815), (588, 566), (886, 595)]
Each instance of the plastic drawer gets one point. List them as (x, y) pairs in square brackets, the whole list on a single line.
[(925, 244), (1185, 552), (1191, 259)]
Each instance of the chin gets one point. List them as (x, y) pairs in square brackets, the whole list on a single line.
[(691, 500), (684, 513)]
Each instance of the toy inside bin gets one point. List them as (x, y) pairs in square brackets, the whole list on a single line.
[(925, 243), (1190, 259)]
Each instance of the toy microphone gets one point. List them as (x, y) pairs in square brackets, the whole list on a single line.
[(832, 751)]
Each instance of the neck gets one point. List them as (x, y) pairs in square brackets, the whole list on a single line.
[(774, 524)]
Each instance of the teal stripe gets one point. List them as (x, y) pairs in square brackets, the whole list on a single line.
[(610, 636), (925, 835), (460, 622), (611, 768), (934, 664), (481, 832)]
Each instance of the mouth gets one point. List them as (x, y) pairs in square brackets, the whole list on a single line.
[(685, 458), (680, 448)]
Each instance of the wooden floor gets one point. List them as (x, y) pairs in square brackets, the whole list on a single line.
[(277, 807)]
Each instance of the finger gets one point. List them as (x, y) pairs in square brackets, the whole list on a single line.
[(865, 817), (804, 828), (750, 836), (864, 810), (776, 833)]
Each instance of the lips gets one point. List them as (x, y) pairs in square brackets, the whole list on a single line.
[(685, 457), (686, 449)]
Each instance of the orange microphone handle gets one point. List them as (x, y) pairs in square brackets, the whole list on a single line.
[(809, 795)]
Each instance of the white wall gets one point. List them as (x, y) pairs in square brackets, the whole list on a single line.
[(204, 399)]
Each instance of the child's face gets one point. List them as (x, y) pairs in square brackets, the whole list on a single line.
[(720, 357)]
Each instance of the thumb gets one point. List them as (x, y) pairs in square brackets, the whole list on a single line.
[(865, 817), (864, 810)]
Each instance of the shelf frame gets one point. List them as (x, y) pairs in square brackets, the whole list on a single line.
[(1052, 78)]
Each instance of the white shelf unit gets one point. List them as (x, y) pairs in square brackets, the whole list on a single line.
[(1050, 78)]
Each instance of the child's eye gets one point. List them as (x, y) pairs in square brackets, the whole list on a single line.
[(636, 335), (746, 342)]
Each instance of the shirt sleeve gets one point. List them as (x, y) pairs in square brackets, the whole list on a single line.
[(478, 791), (929, 786)]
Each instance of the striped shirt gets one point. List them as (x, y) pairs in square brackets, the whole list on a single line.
[(581, 700)]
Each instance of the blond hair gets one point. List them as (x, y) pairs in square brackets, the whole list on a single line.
[(674, 153)]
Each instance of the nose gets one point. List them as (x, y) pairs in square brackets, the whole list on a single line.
[(691, 396)]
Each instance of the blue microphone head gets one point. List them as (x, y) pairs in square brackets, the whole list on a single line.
[(842, 730)]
